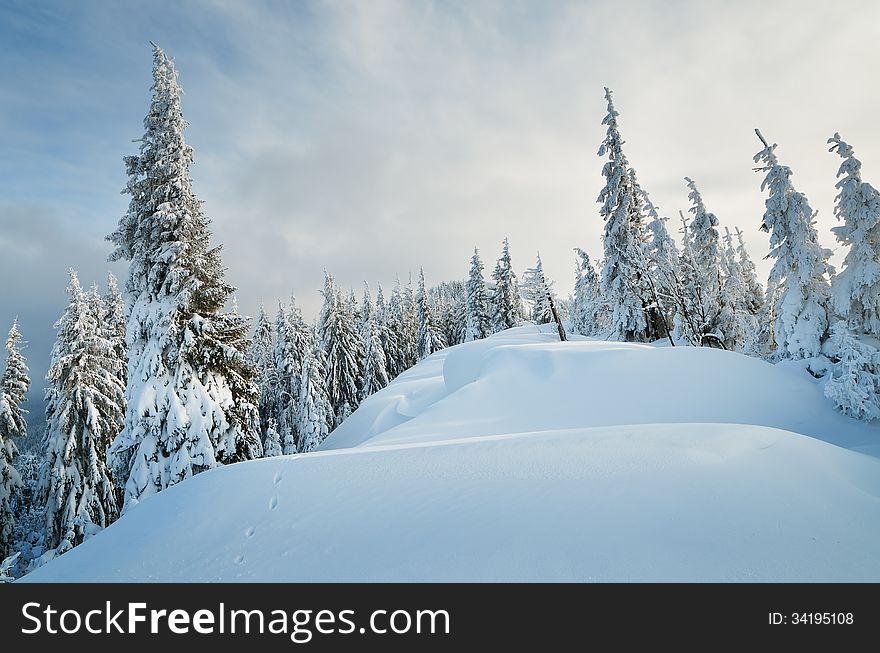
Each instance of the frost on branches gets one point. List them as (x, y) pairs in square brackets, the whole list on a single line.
[(706, 269), (800, 272), (854, 383), (856, 288), (83, 414), (191, 393), (619, 280)]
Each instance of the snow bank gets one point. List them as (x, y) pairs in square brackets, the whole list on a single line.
[(521, 459)]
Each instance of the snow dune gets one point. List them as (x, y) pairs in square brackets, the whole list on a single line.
[(522, 459)]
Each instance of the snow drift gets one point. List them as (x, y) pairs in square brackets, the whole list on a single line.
[(519, 458)]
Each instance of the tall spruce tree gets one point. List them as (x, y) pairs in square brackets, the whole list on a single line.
[(479, 324), (114, 325), (706, 263), (14, 385), (856, 288), (388, 334), (587, 306), (191, 393), (344, 354), (537, 291), (316, 415), (262, 355), (506, 300), (374, 364), (756, 290), (84, 409), (430, 337), (800, 272), (620, 282)]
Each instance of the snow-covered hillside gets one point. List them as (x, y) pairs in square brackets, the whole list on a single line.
[(521, 458)]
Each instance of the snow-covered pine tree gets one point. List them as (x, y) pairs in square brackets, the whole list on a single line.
[(736, 322), (658, 313), (191, 393), (622, 241), (587, 306), (14, 385), (262, 354), (506, 300), (344, 353), (410, 324), (10, 491), (398, 356), (856, 288), (114, 326), (801, 269), (706, 268), (663, 273), (854, 382), (537, 291), (84, 409), (478, 324), (388, 335), (316, 411), (430, 338), (272, 441), (747, 267), (374, 364)]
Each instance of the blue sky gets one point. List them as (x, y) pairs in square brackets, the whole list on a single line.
[(372, 138)]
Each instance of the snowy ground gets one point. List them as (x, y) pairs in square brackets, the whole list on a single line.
[(521, 458)]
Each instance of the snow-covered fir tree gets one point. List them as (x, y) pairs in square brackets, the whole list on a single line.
[(272, 441), (854, 382), (658, 313), (14, 385), (10, 490), (587, 306), (619, 281), (397, 355), (374, 364), (293, 338), (479, 323), (388, 334), (537, 291), (344, 354), (706, 269), (663, 275), (448, 303), (747, 267), (409, 324), (856, 288), (114, 324), (736, 322), (191, 393), (84, 409), (800, 272), (262, 355), (506, 300), (316, 414), (430, 338)]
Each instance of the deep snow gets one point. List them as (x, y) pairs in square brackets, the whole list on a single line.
[(521, 458)]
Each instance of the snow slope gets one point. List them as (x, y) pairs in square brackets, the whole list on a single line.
[(518, 458)]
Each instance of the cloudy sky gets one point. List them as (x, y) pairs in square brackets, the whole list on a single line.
[(372, 138)]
